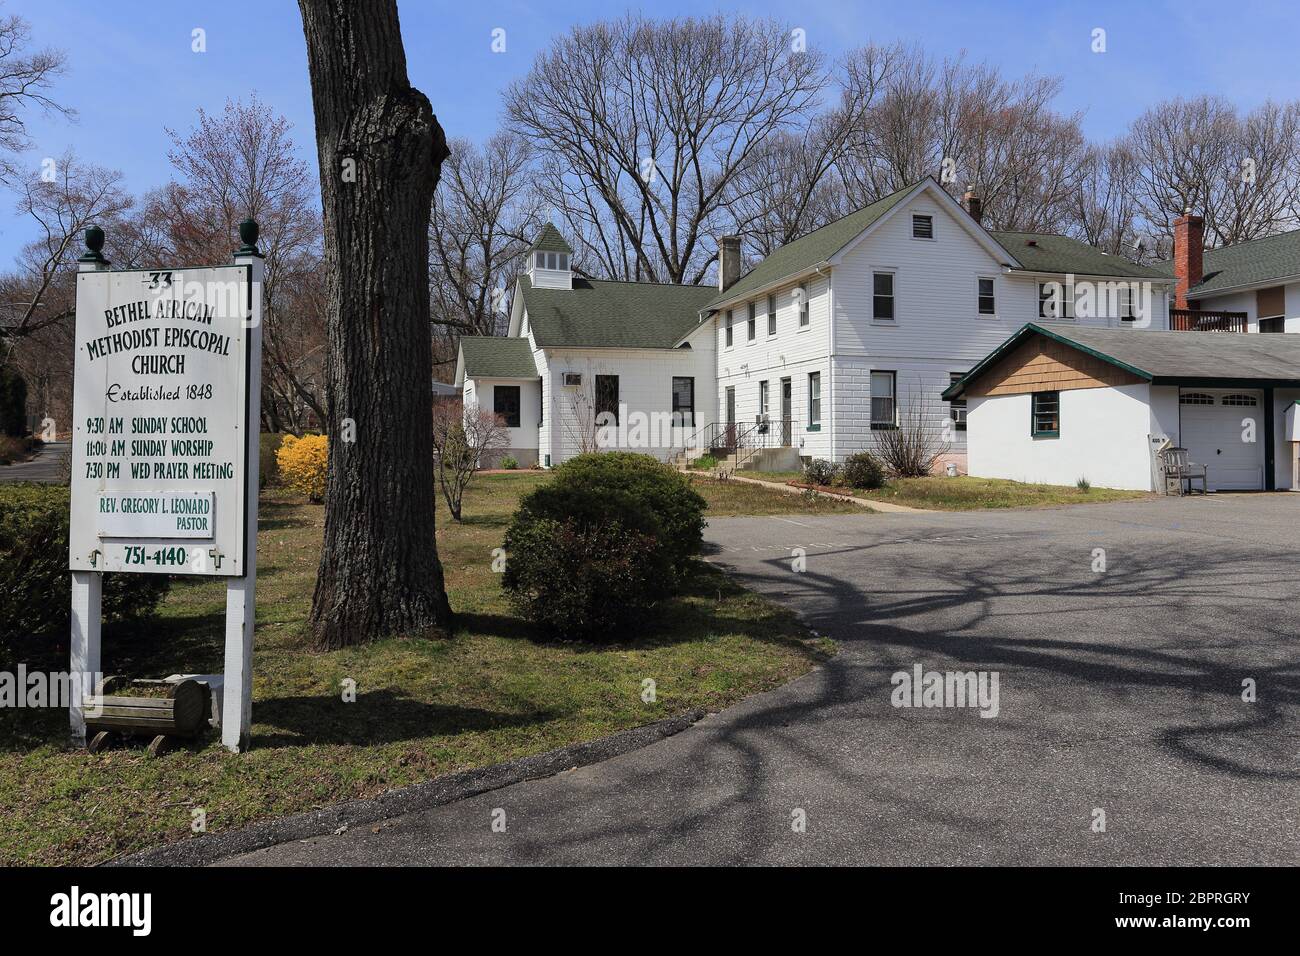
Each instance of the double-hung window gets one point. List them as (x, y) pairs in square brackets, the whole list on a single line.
[(803, 304), (1054, 301), (771, 315), (751, 330), (882, 295), (731, 314), (987, 302), (884, 400), (1046, 414)]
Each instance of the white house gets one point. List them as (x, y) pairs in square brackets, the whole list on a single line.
[(1248, 287), (1054, 405), (819, 347)]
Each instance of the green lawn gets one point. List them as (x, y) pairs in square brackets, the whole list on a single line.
[(967, 494), (741, 498), (490, 692)]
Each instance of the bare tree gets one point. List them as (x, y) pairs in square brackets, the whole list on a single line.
[(581, 426), (381, 151), (644, 125), (967, 126), (61, 207), (462, 440), (1241, 173), (25, 81), (484, 217), (1105, 209), (911, 449), (239, 163)]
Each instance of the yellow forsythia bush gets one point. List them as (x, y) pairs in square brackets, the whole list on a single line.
[(302, 464)]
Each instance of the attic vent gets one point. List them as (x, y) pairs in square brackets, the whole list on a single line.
[(572, 379)]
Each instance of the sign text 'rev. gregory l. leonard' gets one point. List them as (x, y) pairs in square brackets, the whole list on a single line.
[(160, 399)]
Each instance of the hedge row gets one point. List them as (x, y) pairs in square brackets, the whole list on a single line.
[(35, 584)]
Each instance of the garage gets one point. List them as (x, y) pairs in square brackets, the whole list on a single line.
[(1221, 429), (1133, 408)]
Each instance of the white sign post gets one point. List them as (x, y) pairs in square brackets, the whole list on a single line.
[(165, 445)]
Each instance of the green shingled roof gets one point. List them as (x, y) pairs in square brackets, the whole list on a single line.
[(807, 251), (1246, 263), (600, 314), (1062, 254), (1167, 358), (550, 240), (490, 356)]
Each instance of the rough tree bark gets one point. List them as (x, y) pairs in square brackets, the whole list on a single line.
[(381, 151)]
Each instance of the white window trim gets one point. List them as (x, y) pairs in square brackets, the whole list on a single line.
[(893, 272), (987, 316), (774, 316), (807, 301)]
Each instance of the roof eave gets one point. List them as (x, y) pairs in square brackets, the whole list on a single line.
[(957, 388), (1197, 293), (718, 305)]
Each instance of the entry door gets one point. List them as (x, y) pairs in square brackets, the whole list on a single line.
[(787, 401), (1211, 429)]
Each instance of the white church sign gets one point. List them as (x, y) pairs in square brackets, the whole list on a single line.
[(166, 384), (160, 412)]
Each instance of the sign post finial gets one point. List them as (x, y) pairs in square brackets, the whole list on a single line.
[(94, 246), (248, 233)]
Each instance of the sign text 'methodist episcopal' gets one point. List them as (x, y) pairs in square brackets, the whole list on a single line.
[(159, 436)]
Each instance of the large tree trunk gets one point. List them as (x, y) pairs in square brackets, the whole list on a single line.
[(379, 570)]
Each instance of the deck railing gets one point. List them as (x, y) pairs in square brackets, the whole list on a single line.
[(1196, 320)]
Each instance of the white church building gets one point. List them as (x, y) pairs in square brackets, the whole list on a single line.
[(812, 352)]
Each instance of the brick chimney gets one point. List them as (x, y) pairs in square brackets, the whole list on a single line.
[(1189, 251), (974, 205), (728, 262)]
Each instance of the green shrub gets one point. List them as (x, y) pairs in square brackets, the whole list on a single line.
[(268, 465), (591, 551), (35, 584), (581, 580), (1083, 484), (862, 470), (667, 493), (819, 471), (510, 463), (704, 463)]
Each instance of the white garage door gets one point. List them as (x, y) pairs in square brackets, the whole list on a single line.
[(1212, 429)]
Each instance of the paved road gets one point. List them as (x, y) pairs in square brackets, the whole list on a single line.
[(1118, 691), (45, 467)]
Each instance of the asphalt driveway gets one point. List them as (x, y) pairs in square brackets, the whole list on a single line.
[(1120, 690), (46, 467)]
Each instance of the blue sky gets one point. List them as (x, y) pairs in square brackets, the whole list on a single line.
[(132, 71)]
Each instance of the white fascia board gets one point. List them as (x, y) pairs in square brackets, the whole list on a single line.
[(1035, 274)]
